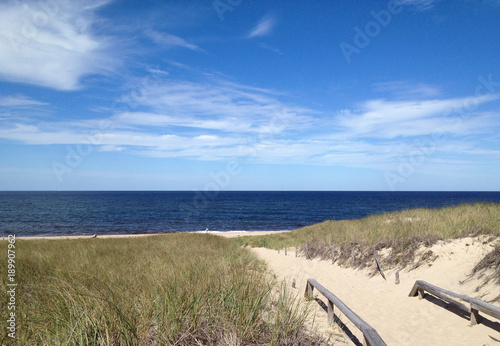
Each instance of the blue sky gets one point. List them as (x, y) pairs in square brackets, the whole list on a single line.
[(249, 95)]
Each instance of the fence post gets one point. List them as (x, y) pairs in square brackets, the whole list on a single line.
[(330, 312), (285, 251), (309, 289), (333, 253), (307, 251)]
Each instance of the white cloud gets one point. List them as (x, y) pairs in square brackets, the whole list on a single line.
[(391, 119), (263, 28), (171, 40), (419, 5), (19, 101), (223, 106), (51, 45), (406, 89)]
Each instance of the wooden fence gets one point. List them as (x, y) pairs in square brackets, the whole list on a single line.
[(370, 335), (475, 305)]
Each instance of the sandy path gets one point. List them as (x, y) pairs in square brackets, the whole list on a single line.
[(399, 319)]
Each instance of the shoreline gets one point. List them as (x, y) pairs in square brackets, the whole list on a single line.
[(225, 234)]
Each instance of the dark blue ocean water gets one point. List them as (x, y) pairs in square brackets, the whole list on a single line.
[(72, 213)]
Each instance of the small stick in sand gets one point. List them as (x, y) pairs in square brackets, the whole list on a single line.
[(293, 283), (285, 251), (378, 265), (397, 278)]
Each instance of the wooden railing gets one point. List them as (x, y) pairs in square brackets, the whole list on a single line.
[(475, 305), (370, 335)]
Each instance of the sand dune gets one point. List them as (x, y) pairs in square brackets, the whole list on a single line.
[(399, 319)]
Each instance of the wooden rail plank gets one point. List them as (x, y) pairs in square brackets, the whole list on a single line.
[(476, 305), (371, 337)]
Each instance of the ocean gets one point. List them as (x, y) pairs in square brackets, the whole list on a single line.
[(86, 213)]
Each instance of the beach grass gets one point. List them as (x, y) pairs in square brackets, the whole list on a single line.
[(176, 289), (402, 231)]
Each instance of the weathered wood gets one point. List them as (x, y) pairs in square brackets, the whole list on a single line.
[(378, 265), (330, 312), (476, 305), (474, 317), (285, 251), (396, 280), (333, 253), (296, 249), (309, 290), (370, 335), (307, 252), (487, 308)]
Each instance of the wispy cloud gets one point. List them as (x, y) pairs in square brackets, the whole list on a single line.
[(392, 119), (178, 119), (171, 40), (407, 90), (19, 101), (263, 28), (51, 46), (419, 5)]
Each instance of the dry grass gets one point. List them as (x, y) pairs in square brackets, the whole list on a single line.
[(403, 232), (179, 289)]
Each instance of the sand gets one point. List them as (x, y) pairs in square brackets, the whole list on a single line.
[(226, 234), (399, 319)]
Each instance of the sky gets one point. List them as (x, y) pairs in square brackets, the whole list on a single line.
[(250, 95)]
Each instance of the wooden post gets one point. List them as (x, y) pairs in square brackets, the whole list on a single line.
[(330, 312), (296, 249), (278, 251), (378, 265), (307, 252), (333, 253), (352, 257), (285, 250), (309, 289), (474, 317), (397, 278)]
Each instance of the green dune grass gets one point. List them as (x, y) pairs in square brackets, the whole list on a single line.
[(182, 289), (402, 231)]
